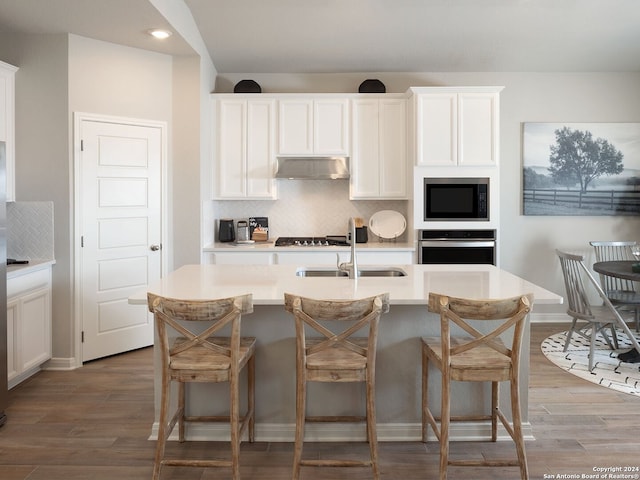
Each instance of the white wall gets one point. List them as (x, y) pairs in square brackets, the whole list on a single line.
[(527, 244), (42, 154), (62, 74)]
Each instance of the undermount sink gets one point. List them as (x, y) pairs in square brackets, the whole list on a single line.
[(334, 272)]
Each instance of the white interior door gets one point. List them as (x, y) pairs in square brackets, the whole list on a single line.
[(119, 210)]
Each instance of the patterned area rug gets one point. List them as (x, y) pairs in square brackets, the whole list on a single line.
[(608, 371)]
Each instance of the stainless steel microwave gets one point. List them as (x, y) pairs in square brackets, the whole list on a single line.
[(456, 199)]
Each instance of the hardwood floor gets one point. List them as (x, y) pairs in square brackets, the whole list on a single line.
[(93, 423)]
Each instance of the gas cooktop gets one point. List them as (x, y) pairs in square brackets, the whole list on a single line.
[(328, 241)]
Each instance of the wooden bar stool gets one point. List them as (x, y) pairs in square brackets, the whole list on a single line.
[(203, 357), (325, 356), (477, 357)]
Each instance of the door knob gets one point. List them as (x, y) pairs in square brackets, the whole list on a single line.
[(154, 248)]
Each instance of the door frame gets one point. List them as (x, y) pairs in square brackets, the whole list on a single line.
[(78, 118)]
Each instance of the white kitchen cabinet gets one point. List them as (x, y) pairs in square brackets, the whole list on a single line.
[(304, 259), (313, 126), (365, 257), (245, 148), (28, 324), (379, 148), (7, 123), (382, 257), (241, 257), (456, 126)]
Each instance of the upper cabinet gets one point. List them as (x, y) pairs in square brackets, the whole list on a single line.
[(313, 126), (379, 148), (7, 123), (244, 147), (456, 126)]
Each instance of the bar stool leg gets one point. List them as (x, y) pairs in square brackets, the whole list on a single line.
[(517, 429), (301, 395), (372, 433), (251, 393), (234, 424), (425, 392), (445, 413), (495, 396), (162, 429)]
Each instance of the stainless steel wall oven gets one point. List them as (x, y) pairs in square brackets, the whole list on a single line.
[(457, 246)]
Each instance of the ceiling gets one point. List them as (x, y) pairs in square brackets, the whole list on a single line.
[(334, 36)]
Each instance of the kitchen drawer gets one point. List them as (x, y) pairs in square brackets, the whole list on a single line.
[(29, 281)]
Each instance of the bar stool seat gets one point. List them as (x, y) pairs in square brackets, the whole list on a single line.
[(203, 357), (324, 355)]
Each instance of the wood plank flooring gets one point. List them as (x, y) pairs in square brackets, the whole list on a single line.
[(93, 423)]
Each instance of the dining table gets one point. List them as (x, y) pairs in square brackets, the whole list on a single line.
[(621, 269)]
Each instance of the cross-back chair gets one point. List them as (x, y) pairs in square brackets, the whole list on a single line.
[(478, 355), (621, 292), (203, 357), (327, 353), (588, 320)]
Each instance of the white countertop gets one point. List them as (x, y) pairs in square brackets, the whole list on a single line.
[(270, 247), (24, 269), (268, 283)]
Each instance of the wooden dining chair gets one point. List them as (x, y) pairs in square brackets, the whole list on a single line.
[(322, 355), (588, 320), (203, 357), (476, 357), (621, 292)]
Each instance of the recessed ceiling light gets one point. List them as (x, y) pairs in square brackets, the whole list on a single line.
[(159, 33)]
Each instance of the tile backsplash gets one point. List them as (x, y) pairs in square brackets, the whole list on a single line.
[(308, 208), (30, 230)]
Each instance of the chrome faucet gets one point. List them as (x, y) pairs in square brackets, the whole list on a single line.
[(351, 267)]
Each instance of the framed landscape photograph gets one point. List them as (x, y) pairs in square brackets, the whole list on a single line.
[(581, 168)]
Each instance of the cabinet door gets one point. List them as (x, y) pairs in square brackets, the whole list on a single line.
[(12, 340), (306, 259), (295, 127), (231, 138), (385, 258), (35, 328), (245, 154), (260, 151), (436, 134), (379, 150), (477, 130), (242, 258), (393, 148), (330, 122), (365, 166)]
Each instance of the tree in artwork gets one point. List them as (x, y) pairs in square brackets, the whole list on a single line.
[(578, 159)]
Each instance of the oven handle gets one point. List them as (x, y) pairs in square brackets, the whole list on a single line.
[(449, 243)]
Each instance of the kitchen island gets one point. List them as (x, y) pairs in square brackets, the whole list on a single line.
[(398, 362)]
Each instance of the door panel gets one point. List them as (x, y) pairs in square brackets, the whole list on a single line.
[(120, 211)]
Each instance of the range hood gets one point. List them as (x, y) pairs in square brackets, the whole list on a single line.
[(313, 168)]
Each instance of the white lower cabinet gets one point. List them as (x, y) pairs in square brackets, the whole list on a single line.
[(241, 258), (303, 259), (385, 258), (329, 258), (28, 324), (309, 258)]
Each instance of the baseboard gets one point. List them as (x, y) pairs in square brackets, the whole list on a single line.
[(345, 432), (22, 377), (549, 318), (59, 363)]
